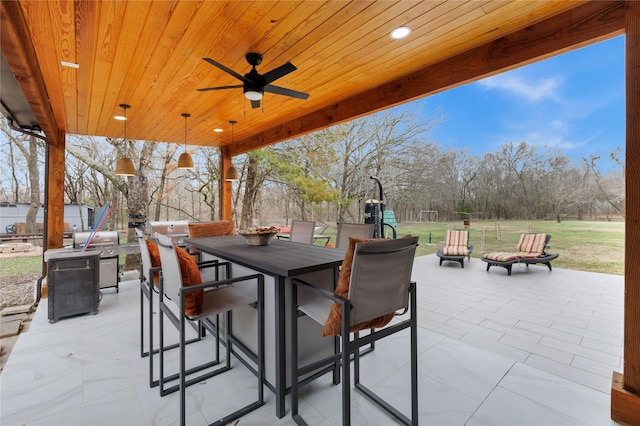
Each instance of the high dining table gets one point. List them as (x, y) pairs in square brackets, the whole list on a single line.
[(316, 237), (279, 262)]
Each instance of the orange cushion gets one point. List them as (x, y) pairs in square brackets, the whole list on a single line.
[(154, 254), (332, 325), (211, 229), (190, 276)]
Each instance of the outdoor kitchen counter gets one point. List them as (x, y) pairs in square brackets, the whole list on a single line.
[(279, 261), (111, 250)]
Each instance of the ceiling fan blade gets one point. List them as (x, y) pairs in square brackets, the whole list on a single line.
[(225, 69), (255, 104), (286, 92), (276, 73), (206, 89)]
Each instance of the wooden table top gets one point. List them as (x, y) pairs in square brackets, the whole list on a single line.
[(282, 258)]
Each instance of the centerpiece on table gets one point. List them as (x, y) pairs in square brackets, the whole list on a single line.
[(260, 236)]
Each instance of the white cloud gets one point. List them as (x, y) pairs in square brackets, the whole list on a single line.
[(554, 134), (545, 88)]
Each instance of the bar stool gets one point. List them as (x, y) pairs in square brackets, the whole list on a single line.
[(374, 287)]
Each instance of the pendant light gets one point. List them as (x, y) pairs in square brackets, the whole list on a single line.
[(232, 174), (124, 166), (185, 161)]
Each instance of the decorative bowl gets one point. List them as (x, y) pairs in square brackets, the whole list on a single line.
[(259, 236)]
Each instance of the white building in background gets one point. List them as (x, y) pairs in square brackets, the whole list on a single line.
[(76, 217)]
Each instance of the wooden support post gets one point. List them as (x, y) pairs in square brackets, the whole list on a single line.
[(625, 390), (625, 406), (226, 187), (55, 199)]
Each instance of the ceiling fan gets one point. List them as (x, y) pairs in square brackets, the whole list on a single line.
[(255, 84)]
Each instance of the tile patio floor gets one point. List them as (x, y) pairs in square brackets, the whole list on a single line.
[(535, 348)]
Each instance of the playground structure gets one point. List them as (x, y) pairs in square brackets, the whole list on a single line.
[(430, 215)]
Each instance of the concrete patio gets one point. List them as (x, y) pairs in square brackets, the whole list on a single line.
[(535, 348)]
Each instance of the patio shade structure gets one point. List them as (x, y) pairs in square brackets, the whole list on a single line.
[(67, 65)]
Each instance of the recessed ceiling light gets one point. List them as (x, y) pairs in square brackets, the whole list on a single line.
[(400, 32), (69, 64), (120, 117), (218, 130)]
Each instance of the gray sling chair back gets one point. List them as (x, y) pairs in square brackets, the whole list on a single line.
[(380, 285), (356, 230), (147, 289), (302, 231), (149, 283), (219, 297)]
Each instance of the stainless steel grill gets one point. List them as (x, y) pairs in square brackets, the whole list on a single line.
[(107, 242)]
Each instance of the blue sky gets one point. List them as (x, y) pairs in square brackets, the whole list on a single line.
[(573, 102)]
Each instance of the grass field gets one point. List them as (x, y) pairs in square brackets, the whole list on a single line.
[(582, 245), (20, 266)]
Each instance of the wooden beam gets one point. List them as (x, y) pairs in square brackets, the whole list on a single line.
[(625, 390), (589, 23), (19, 53)]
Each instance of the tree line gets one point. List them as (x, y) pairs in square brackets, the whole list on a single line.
[(325, 176)]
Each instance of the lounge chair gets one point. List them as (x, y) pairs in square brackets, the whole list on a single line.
[(530, 250), (456, 247)]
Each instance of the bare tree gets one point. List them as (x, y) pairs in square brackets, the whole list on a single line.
[(15, 165), (610, 187), (30, 153), (208, 177)]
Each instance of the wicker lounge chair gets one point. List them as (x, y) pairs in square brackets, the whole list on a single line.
[(456, 247), (530, 250)]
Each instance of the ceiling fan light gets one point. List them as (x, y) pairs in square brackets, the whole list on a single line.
[(185, 161), (253, 95), (125, 167), (231, 174)]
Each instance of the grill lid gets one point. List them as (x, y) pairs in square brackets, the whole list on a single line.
[(100, 239)]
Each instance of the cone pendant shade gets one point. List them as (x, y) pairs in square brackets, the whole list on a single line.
[(125, 167), (232, 174), (185, 161)]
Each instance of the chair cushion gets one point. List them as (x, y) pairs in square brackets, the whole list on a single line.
[(154, 254), (510, 257), (190, 276), (332, 325), (457, 238), (457, 243), (455, 250), (212, 229), (532, 243), (530, 246)]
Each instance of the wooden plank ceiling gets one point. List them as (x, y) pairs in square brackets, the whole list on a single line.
[(149, 54)]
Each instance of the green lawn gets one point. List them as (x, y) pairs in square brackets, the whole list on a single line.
[(582, 245), (20, 266)]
